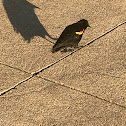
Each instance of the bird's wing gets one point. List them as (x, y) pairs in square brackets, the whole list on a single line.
[(69, 34), (64, 35), (66, 32)]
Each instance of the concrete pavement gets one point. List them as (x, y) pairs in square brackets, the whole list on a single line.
[(88, 88)]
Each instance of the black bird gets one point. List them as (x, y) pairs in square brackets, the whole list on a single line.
[(71, 35)]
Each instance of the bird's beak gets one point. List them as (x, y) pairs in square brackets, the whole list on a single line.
[(89, 26)]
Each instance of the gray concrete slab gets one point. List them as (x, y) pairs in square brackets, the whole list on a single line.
[(87, 88), (52, 104)]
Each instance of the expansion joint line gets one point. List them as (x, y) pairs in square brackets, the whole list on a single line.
[(83, 92)]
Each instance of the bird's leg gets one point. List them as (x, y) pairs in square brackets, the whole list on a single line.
[(64, 50), (76, 47), (70, 50)]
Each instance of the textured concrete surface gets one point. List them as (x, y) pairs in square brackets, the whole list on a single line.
[(88, 88)]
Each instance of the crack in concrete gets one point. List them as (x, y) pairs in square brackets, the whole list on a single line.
[(36, 73)]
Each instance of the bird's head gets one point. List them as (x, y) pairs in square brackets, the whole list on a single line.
[(84, 23)]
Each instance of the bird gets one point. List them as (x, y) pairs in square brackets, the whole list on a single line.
[(71, 36)]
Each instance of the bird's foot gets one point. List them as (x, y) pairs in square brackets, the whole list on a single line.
[(64, 50), (77, 47), (70, 50), (67, 50)]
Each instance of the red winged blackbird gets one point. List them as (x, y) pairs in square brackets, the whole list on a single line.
[(71, 35)]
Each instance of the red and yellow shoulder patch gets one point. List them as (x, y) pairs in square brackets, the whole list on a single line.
[(80, 32)]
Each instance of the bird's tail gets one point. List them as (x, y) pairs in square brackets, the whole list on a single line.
[(54, 49)]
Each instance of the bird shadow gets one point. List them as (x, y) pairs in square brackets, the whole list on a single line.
[(24, 20)]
